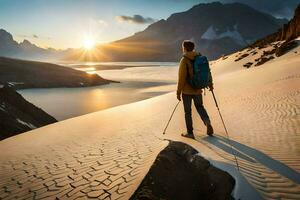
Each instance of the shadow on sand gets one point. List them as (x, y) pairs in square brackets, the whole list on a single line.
[(253, 155)]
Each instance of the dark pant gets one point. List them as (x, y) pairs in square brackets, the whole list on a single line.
[(187, 104)]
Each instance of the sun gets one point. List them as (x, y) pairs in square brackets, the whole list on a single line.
[(89, 43)]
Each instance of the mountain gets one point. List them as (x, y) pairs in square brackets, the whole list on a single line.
[(8, 46), (30, 74), (216, 29), (288, 32), (285, 41), (25, 50), (29, 50), (18, 115)]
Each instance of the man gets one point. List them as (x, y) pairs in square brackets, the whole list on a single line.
[(188, 93)]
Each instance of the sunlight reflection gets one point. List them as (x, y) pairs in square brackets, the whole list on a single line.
[(97, 98), (89, 68), (91, 72)]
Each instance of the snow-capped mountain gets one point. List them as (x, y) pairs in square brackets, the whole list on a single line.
[(216, 29)]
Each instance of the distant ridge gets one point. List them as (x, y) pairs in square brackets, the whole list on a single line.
[(216, 29), (24, 50)]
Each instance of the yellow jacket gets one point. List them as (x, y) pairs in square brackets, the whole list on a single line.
[(185, 68)]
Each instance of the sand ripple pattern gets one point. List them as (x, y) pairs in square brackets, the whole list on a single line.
[(104, 169), (268, 181), (264, 126)]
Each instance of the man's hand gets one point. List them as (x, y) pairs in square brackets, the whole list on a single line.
[(211, 88), (178, 97)]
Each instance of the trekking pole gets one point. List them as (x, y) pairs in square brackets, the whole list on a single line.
[(171, 117), (236, 161)]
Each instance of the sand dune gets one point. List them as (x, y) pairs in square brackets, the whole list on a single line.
[(261, 108), (106, 154)]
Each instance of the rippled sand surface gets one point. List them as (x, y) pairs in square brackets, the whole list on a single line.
[(106, 154)]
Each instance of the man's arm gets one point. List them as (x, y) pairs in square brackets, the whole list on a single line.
[(181, 78)]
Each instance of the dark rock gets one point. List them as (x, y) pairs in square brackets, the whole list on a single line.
[(180, 173), (224, 57), (271, 52), (248, 64), (241, 57), (263, 60), (18, 115), (285, 47)]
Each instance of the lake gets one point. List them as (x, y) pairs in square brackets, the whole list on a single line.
[(138, 82)]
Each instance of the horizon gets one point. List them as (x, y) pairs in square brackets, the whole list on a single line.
[(94, 22)]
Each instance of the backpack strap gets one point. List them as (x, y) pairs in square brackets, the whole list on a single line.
[(187, 66)]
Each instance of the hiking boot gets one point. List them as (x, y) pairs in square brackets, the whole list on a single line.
[(210, 130), (188, 135)]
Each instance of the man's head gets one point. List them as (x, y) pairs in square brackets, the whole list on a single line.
[(188, 46)]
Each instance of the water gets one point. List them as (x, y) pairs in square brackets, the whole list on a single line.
[(137, 83)]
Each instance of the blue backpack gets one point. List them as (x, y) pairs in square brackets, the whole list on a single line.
[(201, 73)]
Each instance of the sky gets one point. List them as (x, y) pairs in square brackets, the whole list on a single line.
[(64, 24)]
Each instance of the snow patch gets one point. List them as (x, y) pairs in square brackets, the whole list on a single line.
[(2, 107), (26, 124), (211, 34), (15, 83)]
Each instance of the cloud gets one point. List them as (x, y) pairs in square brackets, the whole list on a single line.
[(33, 36), (136, 19), (102, 22)]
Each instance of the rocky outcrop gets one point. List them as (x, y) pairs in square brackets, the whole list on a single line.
[(180, 173), (291, 30), (285, 47), (282, 41), (28, 74), (18, 115), (287, 33)]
